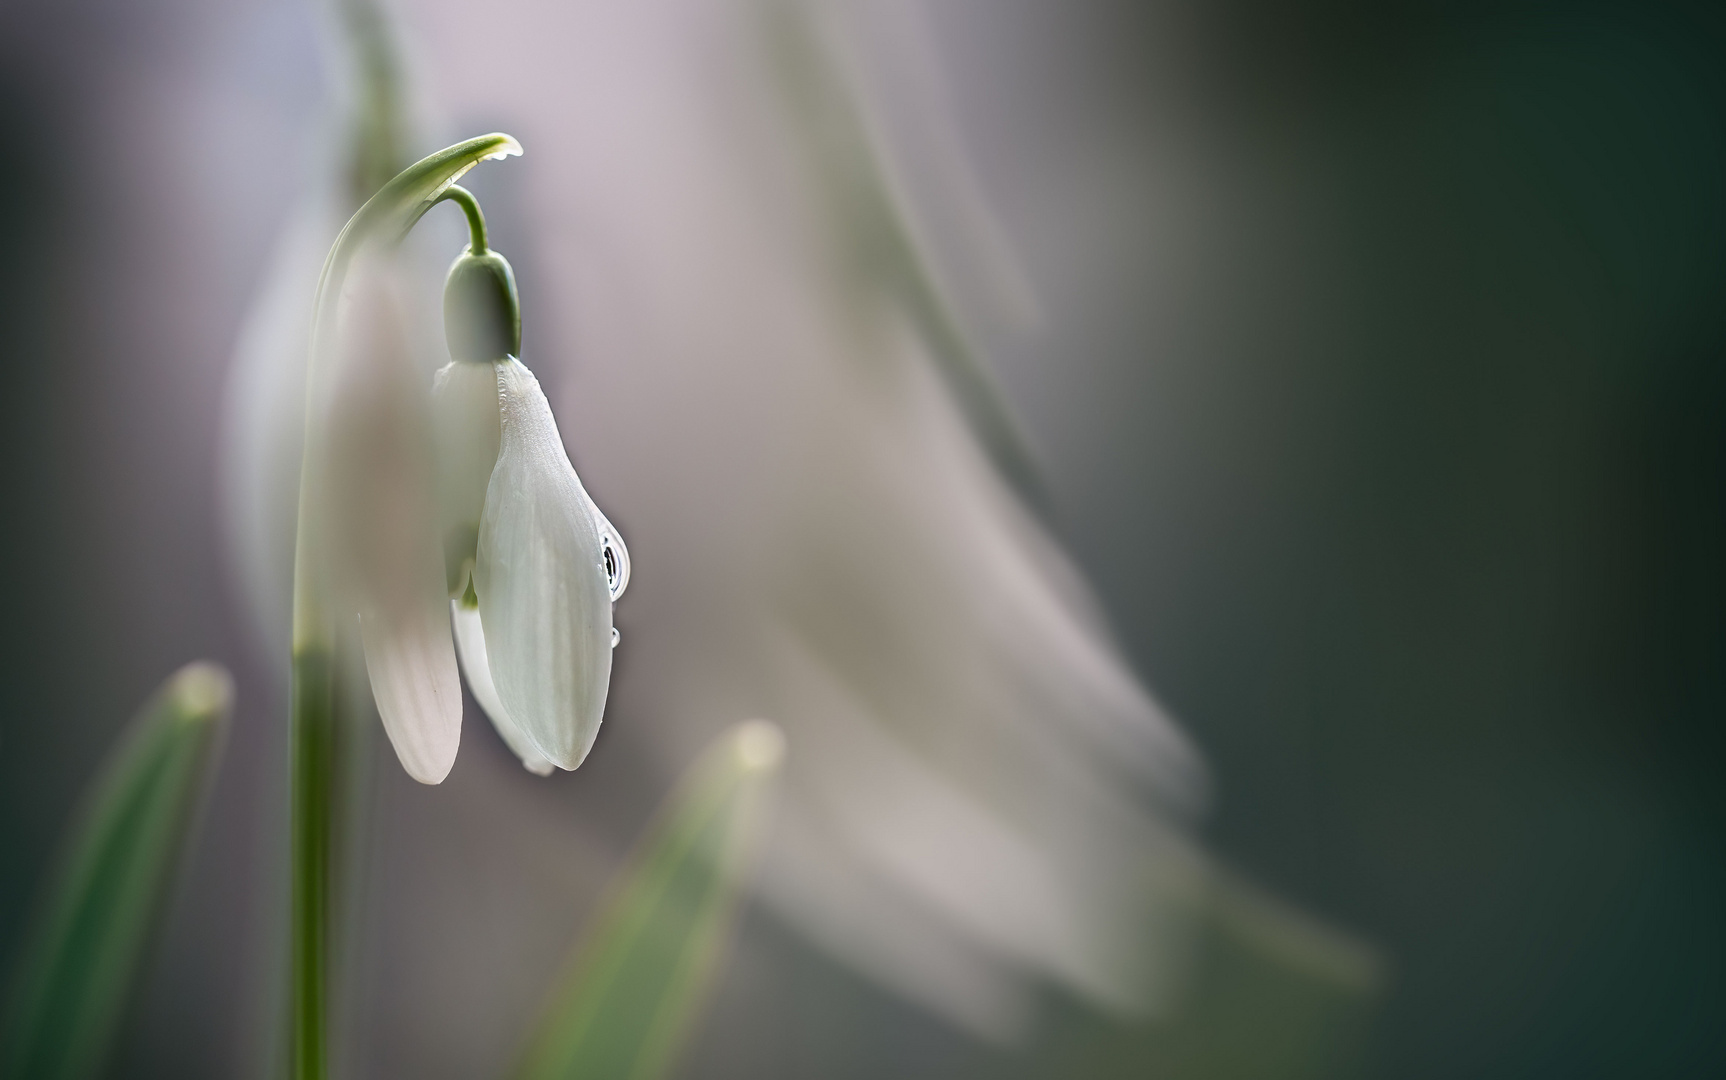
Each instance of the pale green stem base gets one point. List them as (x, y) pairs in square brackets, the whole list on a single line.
[(313, 736)]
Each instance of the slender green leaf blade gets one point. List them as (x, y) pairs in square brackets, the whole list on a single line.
[(639, 976), (115, 869)]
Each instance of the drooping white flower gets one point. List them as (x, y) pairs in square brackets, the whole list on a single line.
[(544, 594), (403, 474), (532, 566)]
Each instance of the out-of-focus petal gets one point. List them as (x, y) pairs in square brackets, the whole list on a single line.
[(384, 557), (544, 598), (470, 647), (412, 668)]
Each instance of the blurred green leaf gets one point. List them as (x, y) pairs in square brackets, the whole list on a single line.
[(649, 957), (115, 868)]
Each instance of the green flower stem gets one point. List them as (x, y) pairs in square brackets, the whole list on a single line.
[(463, 198), (313, 767), (384, 220)]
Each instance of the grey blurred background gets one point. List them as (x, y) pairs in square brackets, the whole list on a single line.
[(1377, 378)]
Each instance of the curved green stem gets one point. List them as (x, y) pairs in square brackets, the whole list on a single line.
[(385, 219), (462, 197)]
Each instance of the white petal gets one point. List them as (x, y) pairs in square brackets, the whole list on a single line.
[(465, 423), (413, 673), (385, 563), (541, 580), (470, 646)]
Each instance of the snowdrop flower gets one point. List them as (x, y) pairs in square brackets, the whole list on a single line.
[(414, 491), (533, 567), (383, 492), (454, 503)]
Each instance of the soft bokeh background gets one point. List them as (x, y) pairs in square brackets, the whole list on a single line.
[(1375, 369)]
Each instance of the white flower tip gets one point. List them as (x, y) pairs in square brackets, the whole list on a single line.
[(430, 773), (470, 649), (510, 147), (759, 745), (570, 759), (412, 666)]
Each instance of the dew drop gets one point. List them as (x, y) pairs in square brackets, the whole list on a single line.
[(616, 561), (615, 637)]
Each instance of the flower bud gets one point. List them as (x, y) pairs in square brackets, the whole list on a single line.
[(481, 312)]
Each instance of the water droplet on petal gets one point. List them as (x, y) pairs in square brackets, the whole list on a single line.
[(616, 562), (615, 637)]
